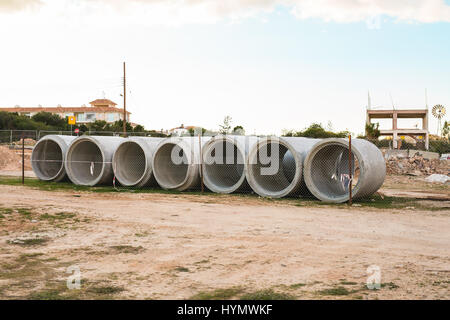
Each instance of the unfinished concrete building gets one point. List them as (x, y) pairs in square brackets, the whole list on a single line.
[(395, 132)]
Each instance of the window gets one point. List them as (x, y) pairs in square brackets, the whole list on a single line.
[(111, 117), (69, 114), (90, 117), (81, 117)]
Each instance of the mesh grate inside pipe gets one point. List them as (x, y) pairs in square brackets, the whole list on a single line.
[(170, 173), (47, 160), (330, 171), (327, 170), (224, 166), (130, 163), (274, 169), (85, 162)]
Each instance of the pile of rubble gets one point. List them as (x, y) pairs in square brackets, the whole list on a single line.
[(11, 159), (416, 166)]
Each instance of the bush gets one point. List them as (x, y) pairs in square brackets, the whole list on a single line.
[(440, 146), (316, 131)]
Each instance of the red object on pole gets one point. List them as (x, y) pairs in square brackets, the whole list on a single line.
[(350, 183)]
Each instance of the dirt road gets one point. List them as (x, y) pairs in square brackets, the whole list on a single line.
[(163, 246)]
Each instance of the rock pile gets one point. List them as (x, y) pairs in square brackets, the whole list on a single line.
[(12, 160), (416, 166)]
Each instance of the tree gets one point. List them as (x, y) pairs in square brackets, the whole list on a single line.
[(193, 131), (50, 119), (372, 131), (446, 129), (239, 131), (139, 128), (316, 130), (226, 125), (99, 125)]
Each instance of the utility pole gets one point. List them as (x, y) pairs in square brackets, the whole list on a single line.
[(124, 101)]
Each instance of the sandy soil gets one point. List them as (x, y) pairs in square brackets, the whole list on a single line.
[(164, 246)]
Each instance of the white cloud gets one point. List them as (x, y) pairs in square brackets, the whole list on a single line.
[(170, 12)]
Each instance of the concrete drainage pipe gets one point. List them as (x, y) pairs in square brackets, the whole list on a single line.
[(176, 163), (88, 160), (224, 159), (275, 166), (132, 161), (326, 170), (47, 158)]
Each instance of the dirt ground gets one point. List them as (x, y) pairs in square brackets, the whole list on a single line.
[(169, 246)]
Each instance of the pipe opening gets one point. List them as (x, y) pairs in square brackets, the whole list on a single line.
[(224, 165), (47, 160), (86, 162), (130, 163), (168, 173), (280, 168), (330, 171)]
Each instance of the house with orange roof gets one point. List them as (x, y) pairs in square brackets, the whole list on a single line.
[(99, 109)]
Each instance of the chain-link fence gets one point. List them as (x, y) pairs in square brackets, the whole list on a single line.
[(270, 167)]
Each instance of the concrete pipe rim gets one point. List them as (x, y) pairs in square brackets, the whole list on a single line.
[(189, 166), (73, 146), (34, 161), (208, 147), (296, 179), (307, 172), (122, 148)]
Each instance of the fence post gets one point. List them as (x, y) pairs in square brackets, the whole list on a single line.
[(350, 170), (10, 137), (23, 158), (201, 161)]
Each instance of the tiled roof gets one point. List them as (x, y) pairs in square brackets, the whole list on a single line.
[(186, 127), (103, 101), (65, 109)]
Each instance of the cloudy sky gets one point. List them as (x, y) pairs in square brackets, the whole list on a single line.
[(270, 64)]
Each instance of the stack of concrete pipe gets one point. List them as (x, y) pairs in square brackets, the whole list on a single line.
[(271, 166)]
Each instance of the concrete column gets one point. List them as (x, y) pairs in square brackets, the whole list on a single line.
[(394, 121), (425, 122), (427, 141), (394, 140)]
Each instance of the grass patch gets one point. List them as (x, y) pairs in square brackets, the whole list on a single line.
[(57, 216), (49, 294), (29, 242), (181, 269), (389, 285), (375, 201), (267, 294), (105, 290), (297, 285), (24, 211), (6, 210), (348, 283), (127, 249), (337, 291), (218, 294)]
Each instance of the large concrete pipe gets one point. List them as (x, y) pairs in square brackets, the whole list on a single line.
[(326, 170), (176, 163), (275, 166), (224, 163), (47, 158), (132, 161), (88, 160)]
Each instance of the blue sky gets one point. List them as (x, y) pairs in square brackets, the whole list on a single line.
[(269, 69)]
